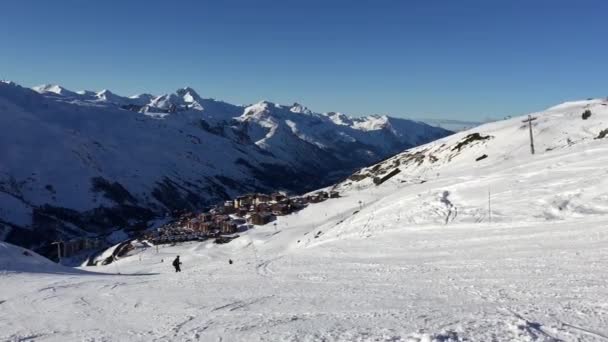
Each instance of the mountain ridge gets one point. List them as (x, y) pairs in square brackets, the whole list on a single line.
[(85, 163)]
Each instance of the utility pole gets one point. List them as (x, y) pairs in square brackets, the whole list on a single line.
[(58, 243), (529, 121), (489, 206)]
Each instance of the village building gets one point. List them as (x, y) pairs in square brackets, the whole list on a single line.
[(278, 197), (229, 227), (243, 201), (279, 209), (262, 207), (314, 198), (207, 227), (241, 212), (191, 224), (219, 219), (205, 217), (260, 218), (298, 201), (225, 218), (239, 221), (229, 209), (261, 199)]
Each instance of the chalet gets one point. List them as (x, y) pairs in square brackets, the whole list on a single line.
[(334, 194), (183, 221), (219, 219), (229, 227), (279, 209), (262, 207), (278, 197), (229, 210), (198, 225), (205, 227), (205, 217), (260, 218), (191, 224), (261, 198), (217, 210), (243, 201), (241, 212), (314, 198), (239, 221), (298, 201)]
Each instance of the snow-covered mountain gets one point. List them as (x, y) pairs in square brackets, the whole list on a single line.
[(82, 163), (474, 239), (450, 179)]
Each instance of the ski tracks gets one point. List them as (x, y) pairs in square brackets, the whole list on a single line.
[(263, 268)]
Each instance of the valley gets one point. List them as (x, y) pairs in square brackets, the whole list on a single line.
[(87, 164)]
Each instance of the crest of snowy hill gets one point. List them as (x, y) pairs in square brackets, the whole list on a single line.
[(17, 259), (84, 163), (452, 125), (452, 179)]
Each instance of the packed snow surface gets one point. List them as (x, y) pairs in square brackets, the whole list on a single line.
[(416, 258)]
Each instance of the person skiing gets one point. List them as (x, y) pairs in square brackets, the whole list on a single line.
[(230, 261), (176, 264)]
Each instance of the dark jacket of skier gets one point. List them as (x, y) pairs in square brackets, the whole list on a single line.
[(176, 264)]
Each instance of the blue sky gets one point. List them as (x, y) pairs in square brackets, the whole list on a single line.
[(438, 59)]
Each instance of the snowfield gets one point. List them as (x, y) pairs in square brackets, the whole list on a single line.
[(416, 258)]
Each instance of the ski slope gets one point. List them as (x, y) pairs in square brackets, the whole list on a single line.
[(417, 258)]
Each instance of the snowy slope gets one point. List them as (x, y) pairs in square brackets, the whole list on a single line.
[(14, 259), (449, 180), (84, 163), (415, 258)]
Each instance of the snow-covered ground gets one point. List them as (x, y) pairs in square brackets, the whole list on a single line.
[(501, 282), (416, 258)]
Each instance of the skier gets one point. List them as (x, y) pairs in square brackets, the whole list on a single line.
[(176, 264), (230, 261)]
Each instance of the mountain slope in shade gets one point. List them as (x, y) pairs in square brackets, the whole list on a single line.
[(84, 163)]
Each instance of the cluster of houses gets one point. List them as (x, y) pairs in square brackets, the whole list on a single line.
[(234, 215)]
